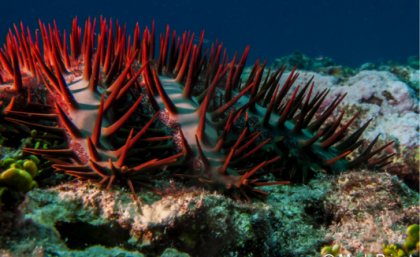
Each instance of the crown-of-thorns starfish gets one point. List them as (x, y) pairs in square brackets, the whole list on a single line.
[(98, 99)]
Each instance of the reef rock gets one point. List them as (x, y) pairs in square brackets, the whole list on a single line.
[(303, 62), (413, 61), (369, 209), (78, 217), (368, 66)]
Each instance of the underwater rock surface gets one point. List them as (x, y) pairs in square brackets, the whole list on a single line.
[(197, 222), (189, 221), (353, 209), (369, 209)]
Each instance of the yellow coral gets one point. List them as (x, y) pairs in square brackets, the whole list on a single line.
[(19, 175), (17, 179), (334, 251), (410, 247)]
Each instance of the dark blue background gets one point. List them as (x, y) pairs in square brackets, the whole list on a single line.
[(350, 32)]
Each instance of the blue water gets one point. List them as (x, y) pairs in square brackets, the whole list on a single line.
[(350, 32)]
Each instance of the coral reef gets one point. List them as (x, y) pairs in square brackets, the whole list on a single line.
[(195, 140)]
